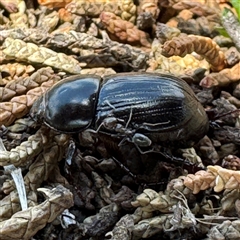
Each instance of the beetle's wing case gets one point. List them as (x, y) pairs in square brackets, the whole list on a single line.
[(151, 98), (70, 105), (158, 104)]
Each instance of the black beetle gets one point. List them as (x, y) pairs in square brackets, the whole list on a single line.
[(140, 107)]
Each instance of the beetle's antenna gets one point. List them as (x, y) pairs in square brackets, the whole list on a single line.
[(130, 117)]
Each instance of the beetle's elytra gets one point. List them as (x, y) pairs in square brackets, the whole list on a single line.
[(161, 107)]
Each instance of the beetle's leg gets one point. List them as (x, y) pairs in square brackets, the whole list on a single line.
[(155, 124), (125, 169)]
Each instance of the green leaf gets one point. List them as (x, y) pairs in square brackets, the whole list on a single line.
[(222, 31), (236, 5)]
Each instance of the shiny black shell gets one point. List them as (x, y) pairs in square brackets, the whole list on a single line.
[(162, 107), (69, 106)]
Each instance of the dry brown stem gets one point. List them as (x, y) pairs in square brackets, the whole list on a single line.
[(123, 31), (204, 46)]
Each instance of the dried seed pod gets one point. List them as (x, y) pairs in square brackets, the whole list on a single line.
[(191, 156), (123, 31), (28, 149), (232, 56), (175, 65), (227, 230), (230, 98), (204, 46), (122, 229), (201, 180), (164, 32), (151, 201), (39, 171), (76, 41), (198, 8), (222, 78), (49, 21), (128, 9), (54, 3), (148, 227), (208, 151), (15, 48), (102, 187), (215, 176), (20, 105), (98, 224), (93, 8), (231, 162), (148, 11), (35, 218), (98, 71), (15, 70), (10, 204), (228, 134), (22, 85), (199, 26)]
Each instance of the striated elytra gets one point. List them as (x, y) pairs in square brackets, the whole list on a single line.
[(145, 107)]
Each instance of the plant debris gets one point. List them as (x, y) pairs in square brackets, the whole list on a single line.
[(76, 187)]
